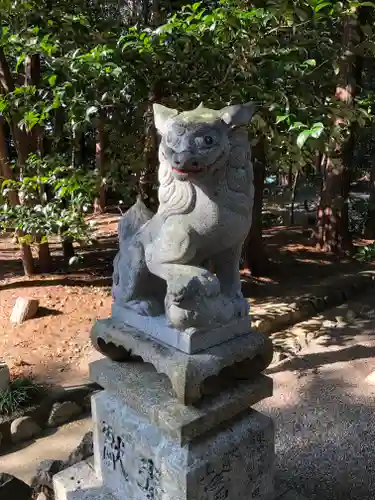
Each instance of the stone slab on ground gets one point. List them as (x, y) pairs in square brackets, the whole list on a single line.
[(191, 376), (62, 413), (25, 308), (188, 341), (24, 428), (47, 469), (134, 457), (80, 482), (150, 394)]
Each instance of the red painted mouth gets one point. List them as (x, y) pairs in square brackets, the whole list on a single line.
[(186, 172)]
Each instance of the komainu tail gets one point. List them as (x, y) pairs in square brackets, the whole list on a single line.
[(132, 221)]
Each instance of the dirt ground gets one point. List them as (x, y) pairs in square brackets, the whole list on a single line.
[(54, 347)]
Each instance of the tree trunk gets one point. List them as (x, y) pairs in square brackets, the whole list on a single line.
[(32, 77), (368, 15), (25, 142), (370, 223), (20, 137), (332, 231), (156, 18), (5, 168), (145, 12), (6, 171), (6, 78), (290, 176), (35, 139), (318, 163), (101, 202), (45, 261), (27, 258), (255, 259), (293, 197), (282, 179), (68, 248)]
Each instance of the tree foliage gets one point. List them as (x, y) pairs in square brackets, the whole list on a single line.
[(77, 82)]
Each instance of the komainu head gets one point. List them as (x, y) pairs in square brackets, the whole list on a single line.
[(196, 145)]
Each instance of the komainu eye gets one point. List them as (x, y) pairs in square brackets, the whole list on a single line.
[(208, 140)]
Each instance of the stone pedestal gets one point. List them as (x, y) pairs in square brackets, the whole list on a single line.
[(150, 445), (193, 376), (139, 462)]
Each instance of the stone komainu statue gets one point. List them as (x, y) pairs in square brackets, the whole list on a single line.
[(206, 196)]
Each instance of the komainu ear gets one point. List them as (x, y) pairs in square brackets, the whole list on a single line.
[(161, 116), (238, 115)]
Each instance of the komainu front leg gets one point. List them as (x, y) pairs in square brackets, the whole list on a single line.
[(172, 257), (227, 269), (190, 289)]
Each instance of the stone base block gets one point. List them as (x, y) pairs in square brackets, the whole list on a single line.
[(149, 393), (189, 341), (137, 461), (68, 486), (192, 376)]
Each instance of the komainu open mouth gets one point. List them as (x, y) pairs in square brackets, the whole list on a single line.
[(187, 171)]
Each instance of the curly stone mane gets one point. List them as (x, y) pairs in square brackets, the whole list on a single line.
[(175, 197), (239, 173)]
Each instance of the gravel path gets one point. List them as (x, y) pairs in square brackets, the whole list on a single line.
[(324, 411)]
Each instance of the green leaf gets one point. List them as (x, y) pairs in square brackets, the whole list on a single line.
[(20, 60), (117, 72), (317, 130), (92, 110), (52, 80), (302, 138), (3, 104), (321, 6), (281, 118), (297, 126), (310, 62)]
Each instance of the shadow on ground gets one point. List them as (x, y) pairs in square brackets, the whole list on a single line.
[(316, 360), (94, 267), (324, 411), (345, 326), (324, 441)]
